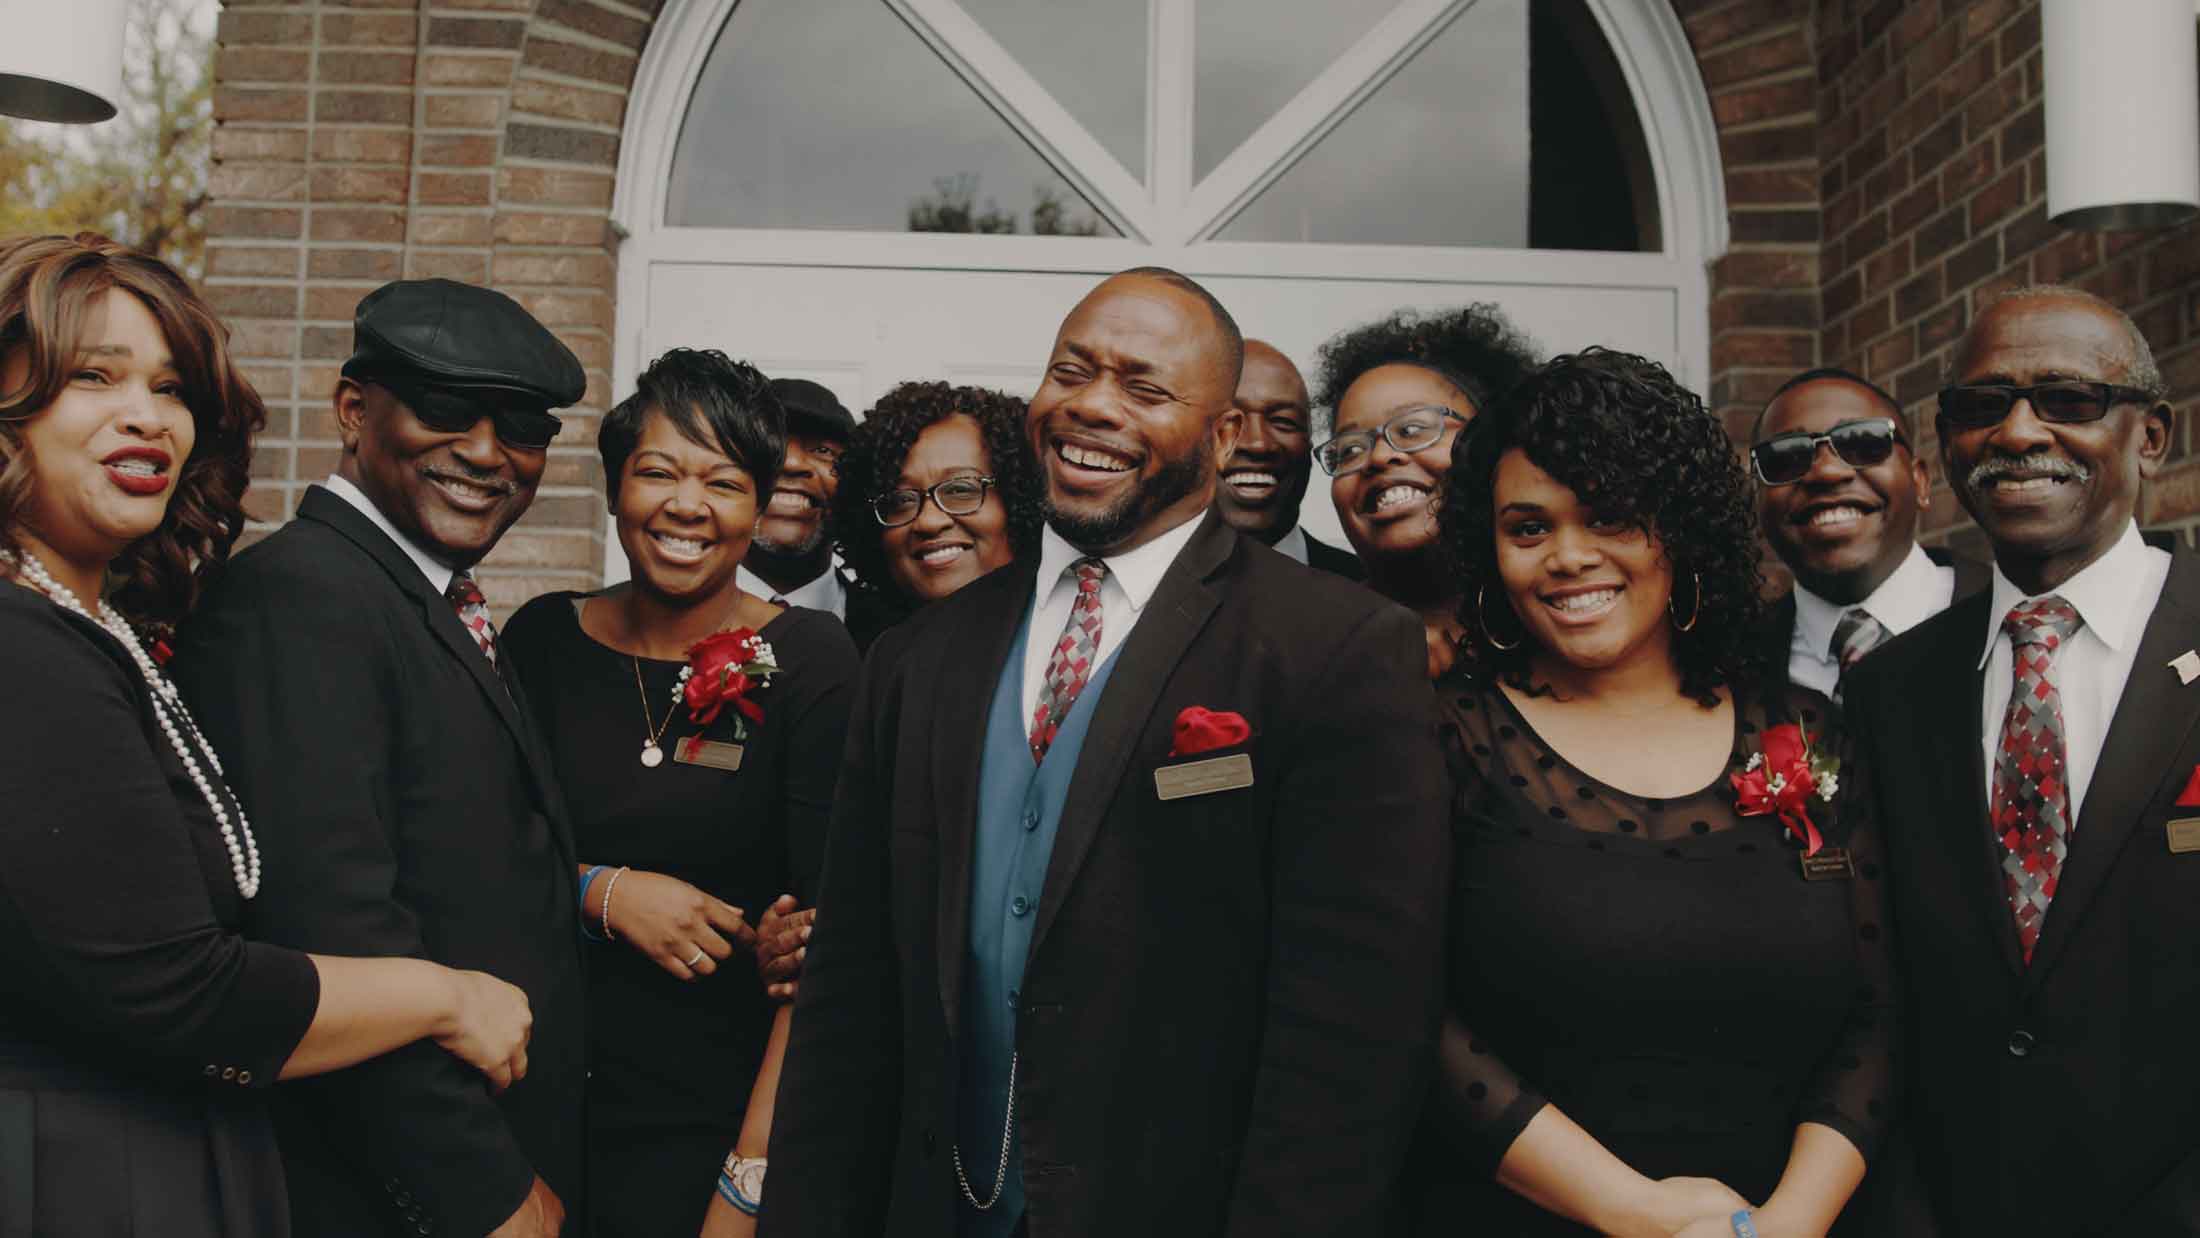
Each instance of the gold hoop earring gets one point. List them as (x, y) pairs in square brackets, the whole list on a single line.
[(1482, 617), (1694, 612)]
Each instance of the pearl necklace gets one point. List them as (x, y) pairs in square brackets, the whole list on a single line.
[(244, 850)]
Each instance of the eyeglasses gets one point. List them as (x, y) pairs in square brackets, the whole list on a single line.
[(957, 496), (449, 411), (1976, 407), (1787, 458), (1414, 429)]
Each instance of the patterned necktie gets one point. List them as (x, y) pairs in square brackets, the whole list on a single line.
[(1075, 655), (473, 611), (1854, 636), (2031, 807)]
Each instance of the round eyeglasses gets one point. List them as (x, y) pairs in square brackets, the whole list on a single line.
[(957, 496), (1411, 430)]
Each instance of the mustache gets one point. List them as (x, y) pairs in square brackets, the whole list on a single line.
[(487, 481), (1995, 467)]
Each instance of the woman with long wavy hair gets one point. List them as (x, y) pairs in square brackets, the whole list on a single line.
[(138, 1031)]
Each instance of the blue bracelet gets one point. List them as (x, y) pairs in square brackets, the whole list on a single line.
[(1744, 1225), (587, 878), (732, 1195)]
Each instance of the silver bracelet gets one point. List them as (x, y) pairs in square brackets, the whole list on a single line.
[(610, 883)]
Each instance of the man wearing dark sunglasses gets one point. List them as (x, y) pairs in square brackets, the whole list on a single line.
[(348, 669), (2032, 756), (1840, 487)]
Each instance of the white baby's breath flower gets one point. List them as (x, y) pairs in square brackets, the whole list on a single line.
[(1755, 759), (1828, 787)]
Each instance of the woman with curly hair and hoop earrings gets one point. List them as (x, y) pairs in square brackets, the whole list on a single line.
[(138, 1031), (1397, 393), (938, 487), (1670, 978)]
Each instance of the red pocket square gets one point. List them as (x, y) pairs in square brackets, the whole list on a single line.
[(1204, 730), (2190, 798)]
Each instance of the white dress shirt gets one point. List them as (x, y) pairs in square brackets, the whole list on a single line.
[(827, 593), (438, 573), (1917, 590), (1132, 577), (2114, 596), (1293, 543)]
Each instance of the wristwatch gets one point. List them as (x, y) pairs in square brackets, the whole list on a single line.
[(746, 1173)]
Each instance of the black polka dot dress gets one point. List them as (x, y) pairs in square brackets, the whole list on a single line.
[(1659, 969)]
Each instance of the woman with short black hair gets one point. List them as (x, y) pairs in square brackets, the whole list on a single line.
[(696, 730), (1670, 983)]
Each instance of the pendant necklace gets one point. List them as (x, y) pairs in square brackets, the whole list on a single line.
[(652, 755)]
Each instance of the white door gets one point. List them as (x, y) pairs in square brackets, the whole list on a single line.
[(863, 192)]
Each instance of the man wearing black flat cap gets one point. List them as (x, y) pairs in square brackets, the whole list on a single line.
[(791, 559), (348, 668)]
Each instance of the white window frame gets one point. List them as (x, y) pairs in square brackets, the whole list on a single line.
[(1166, 219)]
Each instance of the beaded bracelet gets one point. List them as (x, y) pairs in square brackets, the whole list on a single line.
[(1744, 1224), (610, 884), (588, 879), (732, 1195)]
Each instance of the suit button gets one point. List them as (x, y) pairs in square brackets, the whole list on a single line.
[(229, 1072), (1019, 905), (2021, 1043), (1031, 821), (244, 1076), (212, 1071)]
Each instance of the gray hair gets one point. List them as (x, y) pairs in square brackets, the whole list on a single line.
[(2139, 366)]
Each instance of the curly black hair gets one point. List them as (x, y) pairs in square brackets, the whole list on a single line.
[(872, 466), (1637, 447), (1475, 347)]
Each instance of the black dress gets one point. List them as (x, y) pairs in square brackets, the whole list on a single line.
[(671, 1062), (1659, 969), (138, 1032)]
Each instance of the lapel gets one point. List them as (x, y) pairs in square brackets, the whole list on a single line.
[(1949, 704), (1179, 608), (961, 677), (2156, 712), (324, 508)]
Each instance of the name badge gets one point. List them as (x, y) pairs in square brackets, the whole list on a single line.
[(695, 750), (2184, 835), (1176, 782), (1830, 864)]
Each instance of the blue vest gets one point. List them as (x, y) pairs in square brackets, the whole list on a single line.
[(1019, 807)]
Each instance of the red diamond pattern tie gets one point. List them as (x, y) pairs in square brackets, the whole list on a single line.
[(2031, 808), (1073, 659), (473, 611)]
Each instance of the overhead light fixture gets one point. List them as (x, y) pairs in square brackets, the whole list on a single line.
[(2123, 113), (61, 60)]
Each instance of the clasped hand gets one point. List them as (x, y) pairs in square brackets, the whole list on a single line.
[(670, 920)]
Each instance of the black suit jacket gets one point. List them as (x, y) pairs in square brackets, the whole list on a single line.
[(1230, 1000), (404, 807), (2063, 1097), (1333, 560), (1972, 577)]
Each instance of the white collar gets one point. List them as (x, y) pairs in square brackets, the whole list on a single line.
[(1138, 572), (438, 572), (1907, 597), (1293, 543), (2107, 593), (823, 591)]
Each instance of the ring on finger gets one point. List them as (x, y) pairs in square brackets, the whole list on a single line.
[(698, 957)]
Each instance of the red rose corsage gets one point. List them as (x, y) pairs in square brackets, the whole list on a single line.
[(1781, 780), (723, 669)]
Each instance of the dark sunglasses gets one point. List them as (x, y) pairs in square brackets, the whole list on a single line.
[(447, 410), (1785, 459), (957, 496), (1985, 404)]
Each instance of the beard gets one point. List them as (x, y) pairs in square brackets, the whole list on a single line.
[(1112, 525), (795, 551)]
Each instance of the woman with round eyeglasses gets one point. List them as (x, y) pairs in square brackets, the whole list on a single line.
[(1398, 391), (938, 488)]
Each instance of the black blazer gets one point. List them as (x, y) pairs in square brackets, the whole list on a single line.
[(2064, 1097), (1231, 999), (1972, 577), (404, 807), (1333, 560)]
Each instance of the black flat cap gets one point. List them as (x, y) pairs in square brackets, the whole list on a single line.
[(812, 407), (449, 334)]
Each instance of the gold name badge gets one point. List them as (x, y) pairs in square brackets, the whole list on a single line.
[(1176, 782), (2184, 835), (1830, 864), (695, 750)]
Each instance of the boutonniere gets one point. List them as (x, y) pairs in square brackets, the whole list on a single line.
[(1782, 778), (2190, 797), (1204, 730), (723, 669)]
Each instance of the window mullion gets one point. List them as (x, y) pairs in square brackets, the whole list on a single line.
[(1171, 56)]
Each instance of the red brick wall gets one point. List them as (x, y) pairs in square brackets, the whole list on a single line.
[(1934, 178)]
